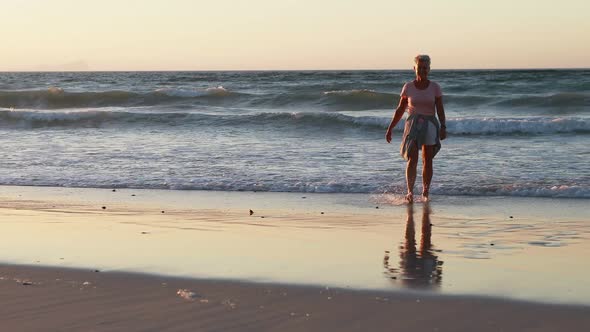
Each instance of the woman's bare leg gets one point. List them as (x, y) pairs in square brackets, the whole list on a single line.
[(411, 173), (427, 156)]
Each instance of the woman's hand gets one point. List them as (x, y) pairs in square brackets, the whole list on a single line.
[(388, 135), (440, 111)]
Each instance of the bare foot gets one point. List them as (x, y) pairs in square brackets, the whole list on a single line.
[(410, 198), (425, 195)]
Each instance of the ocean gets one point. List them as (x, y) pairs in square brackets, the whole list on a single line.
[(511, 132)]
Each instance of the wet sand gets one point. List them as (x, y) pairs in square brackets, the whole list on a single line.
[(297, 262)]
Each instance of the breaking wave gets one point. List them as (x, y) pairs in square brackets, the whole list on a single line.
[(56, 98), (340, 100), (295, 120)]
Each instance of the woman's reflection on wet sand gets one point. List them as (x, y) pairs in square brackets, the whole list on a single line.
[(417, 268)]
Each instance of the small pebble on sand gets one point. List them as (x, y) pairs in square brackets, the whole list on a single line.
[(251, 212), (104, 207), (187, 294)]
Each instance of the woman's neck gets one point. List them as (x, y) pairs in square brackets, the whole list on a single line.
[(421, 83)]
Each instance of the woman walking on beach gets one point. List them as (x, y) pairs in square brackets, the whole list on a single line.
[(423, 131)]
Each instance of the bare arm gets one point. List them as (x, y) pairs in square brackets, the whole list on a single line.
[(440, 111), (399, 112)]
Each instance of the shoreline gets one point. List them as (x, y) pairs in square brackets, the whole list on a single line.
[(72, 299)]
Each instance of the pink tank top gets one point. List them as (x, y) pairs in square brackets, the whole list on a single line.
[(421, 101)]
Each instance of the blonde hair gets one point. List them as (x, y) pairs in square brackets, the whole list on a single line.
[(422, 57)]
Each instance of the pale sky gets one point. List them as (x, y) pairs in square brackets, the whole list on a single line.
[(292, 34)]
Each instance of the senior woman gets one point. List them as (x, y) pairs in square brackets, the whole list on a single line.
[(423, 131)]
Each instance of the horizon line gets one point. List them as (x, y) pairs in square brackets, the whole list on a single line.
[(284, 70)]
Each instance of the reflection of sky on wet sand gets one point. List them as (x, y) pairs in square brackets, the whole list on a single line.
[(485, 252)]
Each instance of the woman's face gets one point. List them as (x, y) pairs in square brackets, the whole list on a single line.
[(422, 69)]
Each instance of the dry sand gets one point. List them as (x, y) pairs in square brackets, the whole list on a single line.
[(77, 300)]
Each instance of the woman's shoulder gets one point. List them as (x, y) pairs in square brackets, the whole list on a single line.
[(435, 88), (408, 85), (405, 89)]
